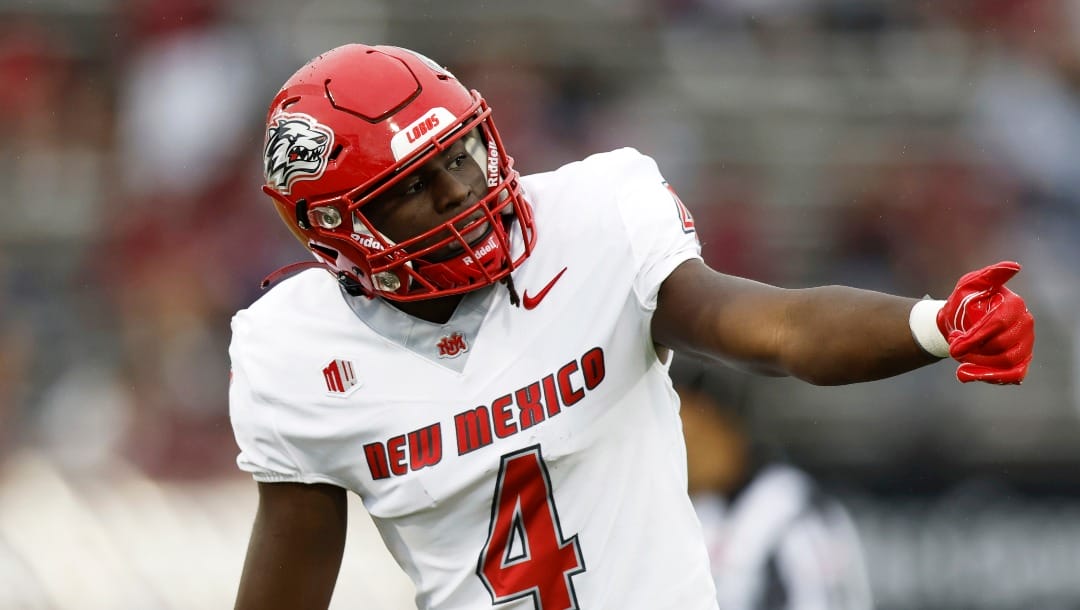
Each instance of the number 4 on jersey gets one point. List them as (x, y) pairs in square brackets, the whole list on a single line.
[(525, 553), (685, 217)]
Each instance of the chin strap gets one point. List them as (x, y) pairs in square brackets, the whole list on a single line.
[(274, 276), (508, 281)]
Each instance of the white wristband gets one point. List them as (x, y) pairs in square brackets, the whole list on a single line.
[(924, 328)]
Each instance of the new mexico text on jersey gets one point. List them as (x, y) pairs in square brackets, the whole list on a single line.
[(508, 415)]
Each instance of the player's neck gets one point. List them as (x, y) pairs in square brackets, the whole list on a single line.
[(433, 310)]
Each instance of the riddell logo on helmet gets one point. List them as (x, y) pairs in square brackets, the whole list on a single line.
[(483, 250), (367, 241), (493, 164)]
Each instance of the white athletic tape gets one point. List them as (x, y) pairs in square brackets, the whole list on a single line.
[(924, 328)]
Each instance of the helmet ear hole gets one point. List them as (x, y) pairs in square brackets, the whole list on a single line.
[(301, 215), (334, 153)]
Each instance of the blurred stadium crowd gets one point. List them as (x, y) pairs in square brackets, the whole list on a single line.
[(887, 144)]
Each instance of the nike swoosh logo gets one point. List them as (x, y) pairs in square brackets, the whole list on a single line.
[(531, 302)]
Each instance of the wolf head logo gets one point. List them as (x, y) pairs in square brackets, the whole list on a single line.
[(297, 148)]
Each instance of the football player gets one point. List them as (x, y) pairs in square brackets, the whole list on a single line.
[(482, 357)]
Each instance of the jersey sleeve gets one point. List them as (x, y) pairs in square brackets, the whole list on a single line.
[(659, 227), (263, 451)]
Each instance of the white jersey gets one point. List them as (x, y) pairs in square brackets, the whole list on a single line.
[(526, 458)]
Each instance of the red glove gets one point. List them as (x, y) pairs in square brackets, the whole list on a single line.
[(988, 327)]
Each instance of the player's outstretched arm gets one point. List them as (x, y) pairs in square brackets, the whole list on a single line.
[(296, 547), (836, 334)]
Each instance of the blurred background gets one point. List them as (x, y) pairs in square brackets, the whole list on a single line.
[(887, 144)]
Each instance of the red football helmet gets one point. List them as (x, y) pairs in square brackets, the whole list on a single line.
[(355, 121)]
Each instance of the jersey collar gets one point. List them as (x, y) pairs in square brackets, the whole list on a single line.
[(448, 345)]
